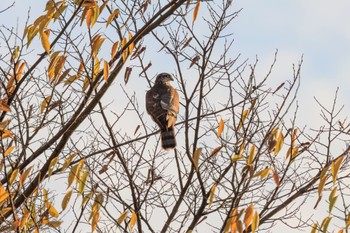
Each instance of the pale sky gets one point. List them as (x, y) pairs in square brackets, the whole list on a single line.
[(316, 29)]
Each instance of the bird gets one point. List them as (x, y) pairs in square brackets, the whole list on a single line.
[(162, 104)]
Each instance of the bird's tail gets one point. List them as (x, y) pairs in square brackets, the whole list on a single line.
[(168, 138)]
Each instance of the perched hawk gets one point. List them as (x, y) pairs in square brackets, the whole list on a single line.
[(162, 103)]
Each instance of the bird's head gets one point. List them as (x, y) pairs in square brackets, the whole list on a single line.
[(164, 78)]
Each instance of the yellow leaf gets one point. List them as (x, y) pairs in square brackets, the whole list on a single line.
[(82, 181), (52, 210), (335, 167), (3, 194), (196, 157), (251, 155), (54, 224), (195, 11), (248, 216), (347, 221), (71, 79), (13, 176), (96, 67), (44, 104), (236, 157), (122, 217), (279, 144), (255, 222), (9, 150), (216, 150), (44, 35), (95, 219), (66, 199), (87, 198), (112, 16), (325, 223), (221, 127), (24, 176), (133, 220), (243, 117), (211, 196), (105, 70), (264, 173), (332, 199), (52, 165), (314, 228), (68, 161), (341, 231)]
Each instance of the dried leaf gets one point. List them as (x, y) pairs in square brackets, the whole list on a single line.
[(3, 194), (132, 44), (24, 176), (122, 217), (66, 199), (236, 157), (112, 16), (127, 74), (276, 178), (52, 210), (279, 87), (243, 117), (88, 17), (221, 127), (332, 199), (336, 167), (9, 150), (195, 11), (94, 222), (314, 228), (264, 173), (44, 104), (4, 107), (325, 223), (44, 35), (196, 157), (105, 70), (68, 161), (212, 194), (52, 165), (82, 181), (13, 176), (216, 150), (248, 216), (114, 49), (133, 220), (251, 156), (255, 222), (279, 143)]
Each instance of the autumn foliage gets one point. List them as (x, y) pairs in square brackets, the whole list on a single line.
[(79, 154)]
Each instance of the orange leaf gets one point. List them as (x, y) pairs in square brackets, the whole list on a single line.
[(248, 215), (95, 219), (4, 107), (88, 17), (105, 70), (122, 217), (216, 150), (9, 150), (195, 11), (114, 49), (112, 16), (133, 220), (221, 127), (279, 143)]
